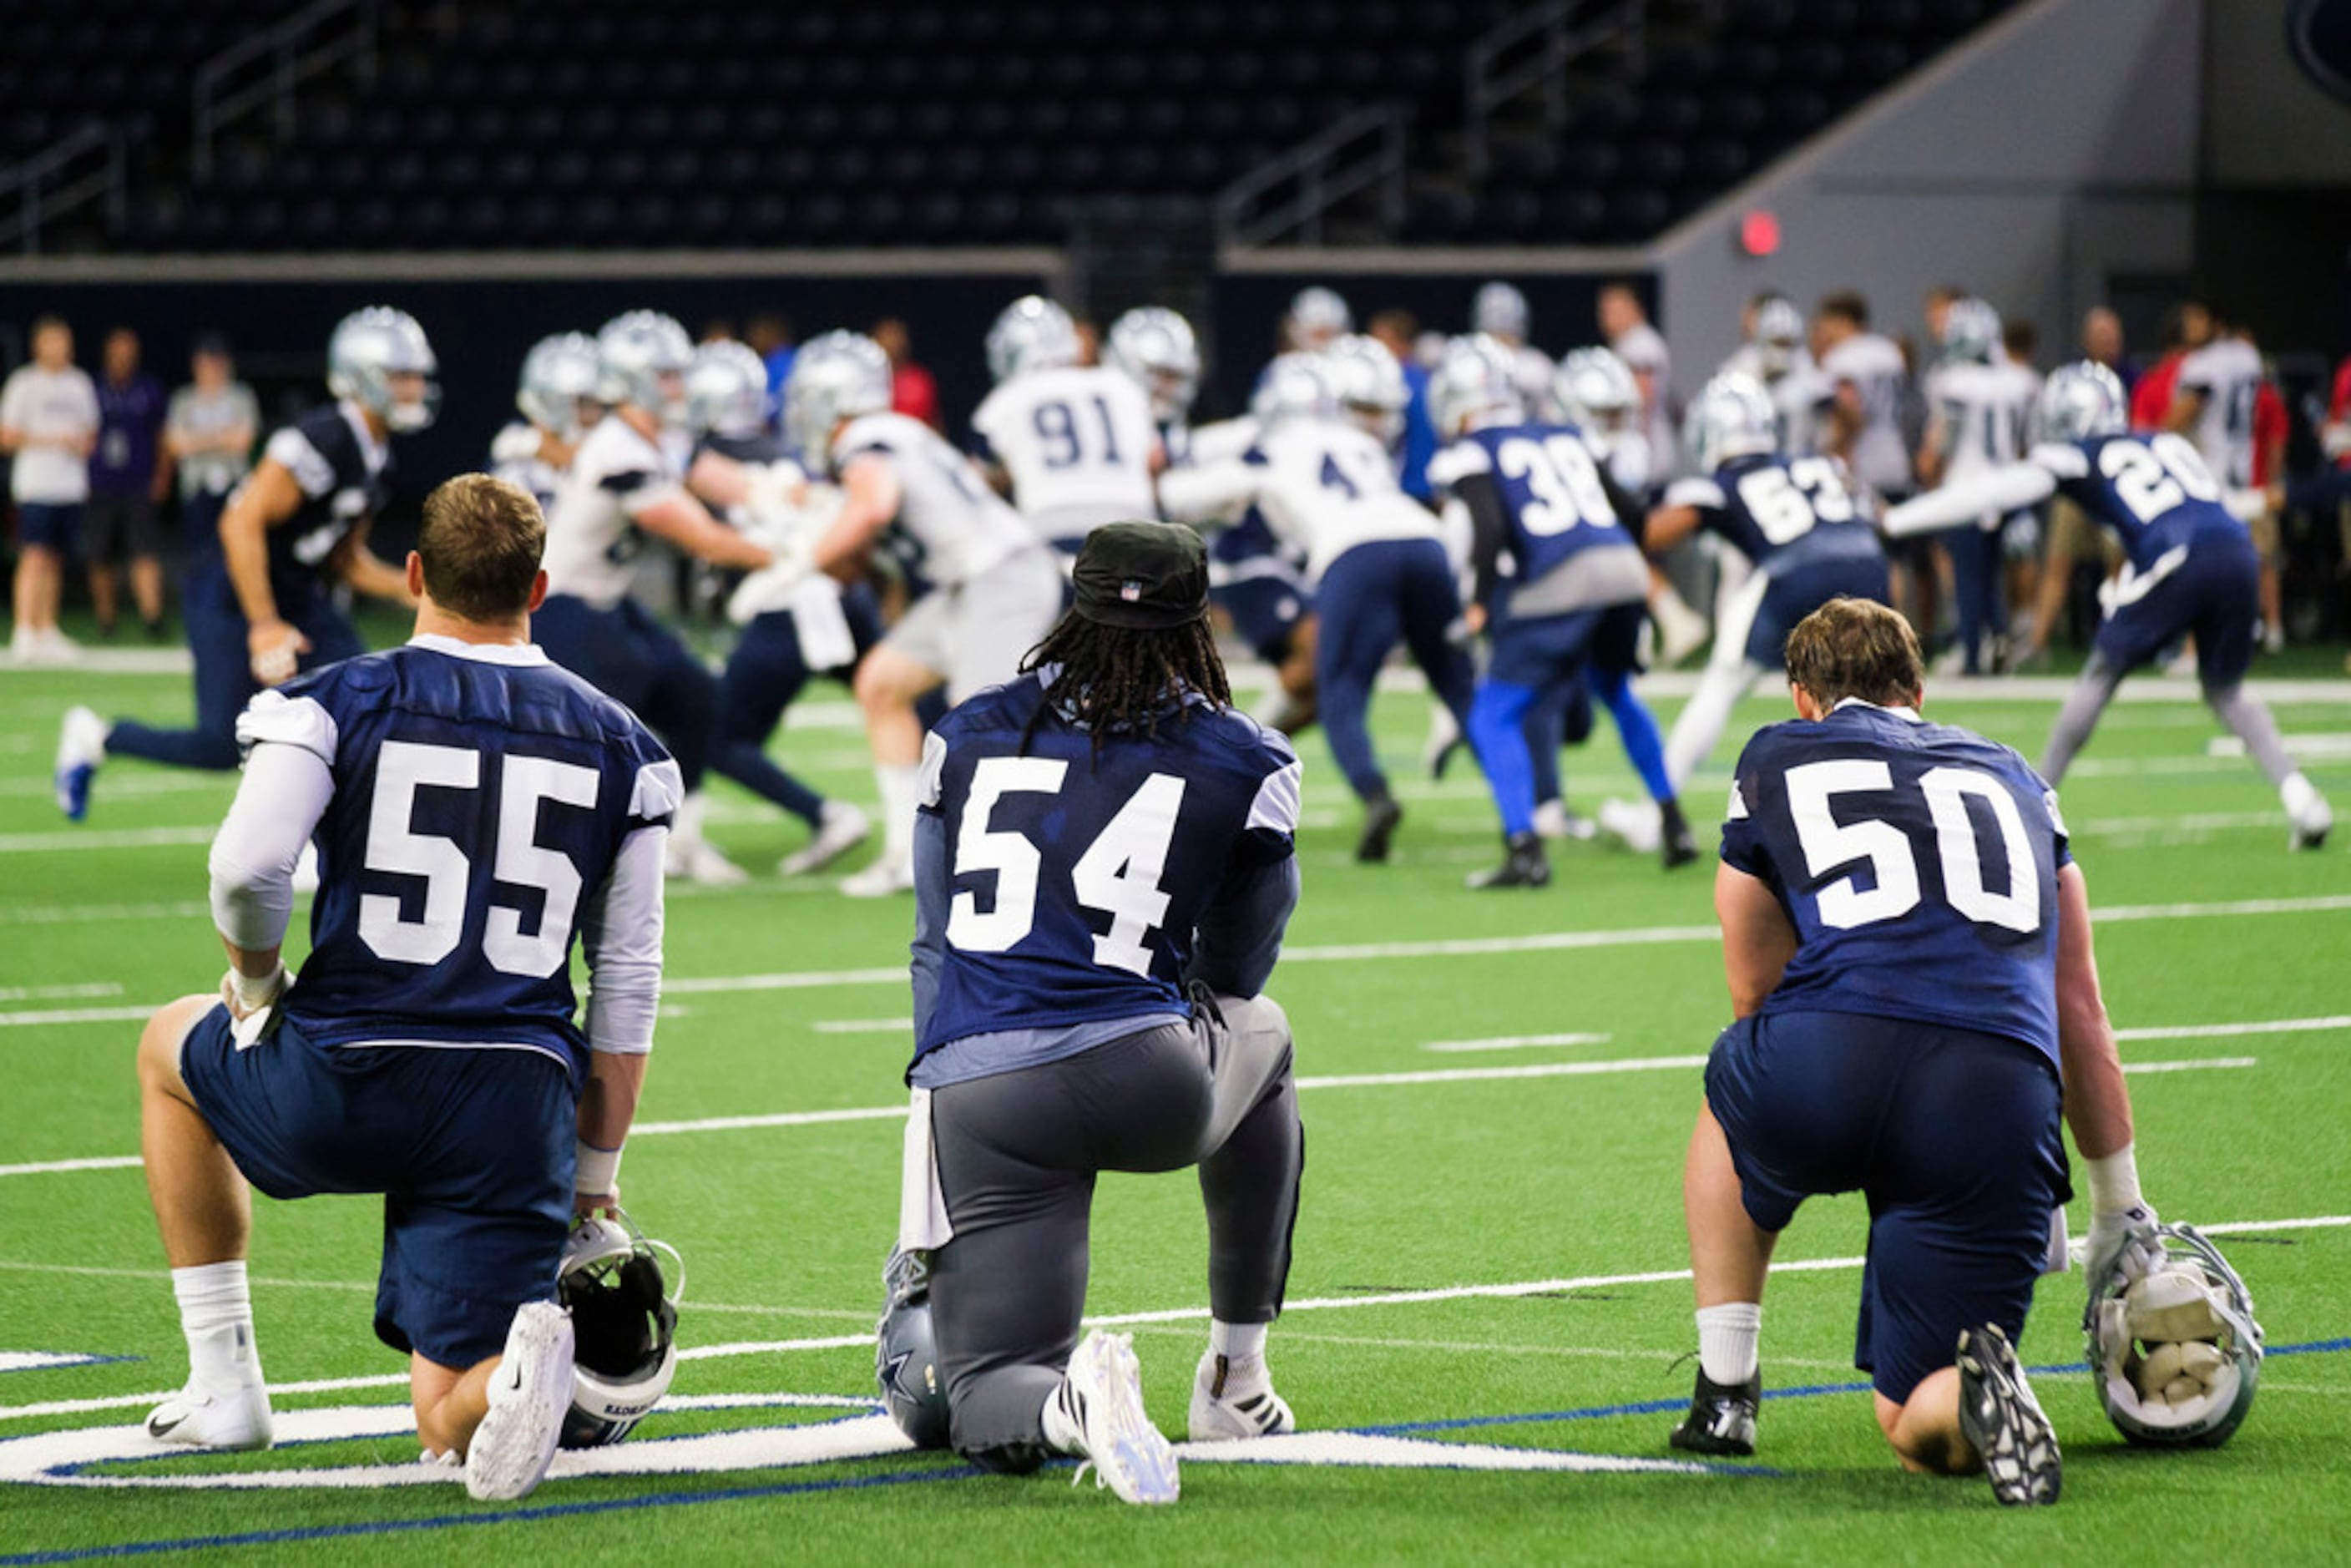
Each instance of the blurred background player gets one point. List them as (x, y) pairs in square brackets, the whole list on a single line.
[(48, 427), (559, 404), (1775, 354), (1155, 349), (259, 607), (1317, 318), (2226, 405), (1396, 330), (210, 429), (1076, 445), (130, 475), (1500, 312), (1980, 411), (1866, 382)]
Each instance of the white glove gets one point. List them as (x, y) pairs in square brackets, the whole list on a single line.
[(770, 588), (2124, 1242)]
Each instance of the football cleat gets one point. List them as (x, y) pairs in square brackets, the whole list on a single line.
[(1381, 816), (2000, 1417), (839, 829), (1234, 1400), (81, 746), (1722, 1420), (1636, 823), (1526, 865), (214, 1418), (699, 860), (2308, 815), (885, 878), (1102, 1406), (1676, 846), (529, 1396), (1555, 820)]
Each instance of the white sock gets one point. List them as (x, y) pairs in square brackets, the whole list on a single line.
[(1063, 1432), (1726, 1338), (899, 786), (1237, 1342), (217, 1317), (685, 824), (2298, 794)]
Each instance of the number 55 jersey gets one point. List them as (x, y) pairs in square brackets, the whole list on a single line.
[(1918, 864)]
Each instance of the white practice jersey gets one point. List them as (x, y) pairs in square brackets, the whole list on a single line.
[(2227, 373), (1872, 366), (1325, 488), (1984, 413), (591, 530), (1077, 442), (1643, 349), (1796, 393), (514, 457), (950, 526)]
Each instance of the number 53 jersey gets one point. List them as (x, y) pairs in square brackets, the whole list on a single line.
[(1078, 877), (1918, 864)]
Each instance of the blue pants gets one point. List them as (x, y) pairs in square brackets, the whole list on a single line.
[(1789, 591), (1975, 572), (471, 1150), (640, 663), (2216, 593), (1372, 597), (224, 682), (1560, 718), (1952, 1133), (1265, 611), (1550, 653), (764, 675)]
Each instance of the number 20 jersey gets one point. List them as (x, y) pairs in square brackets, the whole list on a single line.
[(479, 802), (2154, 491), (1918, 864), (1077, 877)]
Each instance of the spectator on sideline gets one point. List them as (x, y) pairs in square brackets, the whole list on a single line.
[(48, 420), (2187, 327), (1626, 324), (1397, 329), (914, 392), (770, 336), (2102, 342), (209, 432), (130, 475)]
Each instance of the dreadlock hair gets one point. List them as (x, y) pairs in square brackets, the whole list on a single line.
[(1115, 678)]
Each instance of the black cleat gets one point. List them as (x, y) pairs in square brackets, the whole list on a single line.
[(1676, 845), (1999, 1416), (1722, 1420), (1380, 815), (1526, 866)]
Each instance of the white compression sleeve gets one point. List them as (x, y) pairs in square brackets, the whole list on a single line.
[(1998, 492), (620, 932), (278, 804)]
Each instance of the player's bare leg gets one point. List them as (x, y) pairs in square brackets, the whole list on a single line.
[(1295, 678), (1730, 1256), (450, 1403), (887, 687), (1925, 1428)]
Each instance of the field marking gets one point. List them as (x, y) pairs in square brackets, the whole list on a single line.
[(59, 914), (863, 1026), (42, 1016), (2230, 1030), (1516, 1042), (95, 1163), (1489, 1347), (104, 839), (59, 993)]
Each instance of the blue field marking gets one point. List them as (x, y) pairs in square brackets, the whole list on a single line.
[(901, 1477)]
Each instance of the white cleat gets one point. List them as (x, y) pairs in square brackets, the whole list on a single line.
[(1554, 820), (528, 1395), (1234, 1400), (699, 860), (839, 829), (214, 1418), (1101, 1399), (2308, 814), (1639, 823), (885, 878), (1681, 630), (81, 747)]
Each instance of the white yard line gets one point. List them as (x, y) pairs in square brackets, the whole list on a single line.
[(61, 914), (2231, 1030), (70, 839), (59, 993), (1516, 1042), (863, 1026)]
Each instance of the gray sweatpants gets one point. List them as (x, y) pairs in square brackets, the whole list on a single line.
[(1018, 1154)]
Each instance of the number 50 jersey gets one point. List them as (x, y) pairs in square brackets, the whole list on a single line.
[(1078, 877), (1918, 864)]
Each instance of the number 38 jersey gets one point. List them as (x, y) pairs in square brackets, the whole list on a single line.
[(1777, 511), (481, 798), (2154, 491), (1077, 877), (1918, 864), (1549, 485)]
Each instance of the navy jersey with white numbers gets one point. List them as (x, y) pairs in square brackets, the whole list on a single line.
[(1078, 877), (2154, 491), (1550, 488), (1918, 864), (479, 802), (1771, 508), (344, 474)]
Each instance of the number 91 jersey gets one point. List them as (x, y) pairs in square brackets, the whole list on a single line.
[(1918, 864), (1077, 876)]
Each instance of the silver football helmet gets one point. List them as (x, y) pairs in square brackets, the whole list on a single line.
[(726, 391), (1595, 391), (1970, 333), (1779, 335), (1032, 333), (2080, 400), (1153, 347), (625, 1321), (1368, 384), (1501, 309), (838, 376), (1731, 417), (371, 346), (560, 375), (1317, 315), (1294, 387), (643, 355), (2175, 1351), (906, 1352), (1476, 377)]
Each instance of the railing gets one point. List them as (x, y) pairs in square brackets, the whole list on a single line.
[(1287, 197), (87, 166), (1531, 53), (229, 87)]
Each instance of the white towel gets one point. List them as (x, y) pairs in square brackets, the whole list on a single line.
[(825, 640), (922, 1223), (2060, 1256)]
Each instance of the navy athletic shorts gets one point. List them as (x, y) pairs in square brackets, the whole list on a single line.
[(2216, 593)]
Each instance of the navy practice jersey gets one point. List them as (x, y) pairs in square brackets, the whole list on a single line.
[(344, 473), (1919, 864), (1078, 878), (479, 804), (2152, 490), (1769, 508), (1549, 485)]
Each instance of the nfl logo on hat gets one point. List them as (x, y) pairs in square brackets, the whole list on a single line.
[(1131, 591)]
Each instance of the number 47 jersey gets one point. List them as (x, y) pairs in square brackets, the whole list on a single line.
[(1918, 864)]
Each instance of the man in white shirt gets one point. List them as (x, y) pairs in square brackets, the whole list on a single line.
[(48, 422), (1624, 322), (209, 431)]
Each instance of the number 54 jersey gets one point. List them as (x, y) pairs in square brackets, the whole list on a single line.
[(481, 798), (1078, 877), (1918, 864)]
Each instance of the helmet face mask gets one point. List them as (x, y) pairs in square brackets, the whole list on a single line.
[(1779, 336), (1156, 347), (379, 358), (2080, 400), (1970, 333), (625, 1321), (1476, 377), (643, 356), (1499, 310), (835, 377), (1296, 387), (1316, 316), (907, 1353), (2176, 1354), (559, 384), (1368, 384), (726, 391)]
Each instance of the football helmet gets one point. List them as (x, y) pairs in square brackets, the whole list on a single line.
[(1476, 375), (643, 357), (906, 1352), (1368, 384), (371, 346), (1317, 315), (558, 375), (624, 1316), (835, 377), (1294, 387), (1597, 391), (1032, 333), (1779, 335), (2175, 1351), (1970, 333), (726, 391), (1500, 308), (1731, 417), (2080, 400), (1153, 347)]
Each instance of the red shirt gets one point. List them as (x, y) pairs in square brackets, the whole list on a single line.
[(2151, 399), (2339, 412), (912, 393), (2270, 431)]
